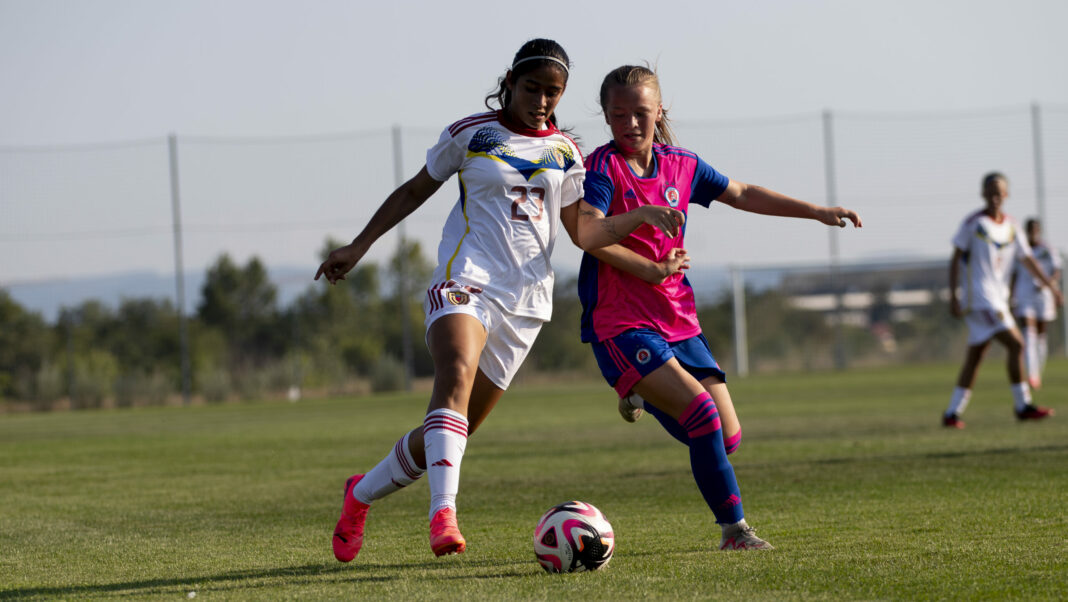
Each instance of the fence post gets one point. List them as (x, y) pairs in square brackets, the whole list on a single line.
[(66, 318), (1040, 172), (179, 269), (1064, 306), (1040, 197), (832, 195), (402, 276), (741, 334)]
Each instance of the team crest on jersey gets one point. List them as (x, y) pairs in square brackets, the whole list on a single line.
[(671, 195), (643, 356), (458, 297)]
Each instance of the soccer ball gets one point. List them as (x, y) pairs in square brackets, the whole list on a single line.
[(573, 536)]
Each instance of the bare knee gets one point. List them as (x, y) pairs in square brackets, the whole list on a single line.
[(453, 382)]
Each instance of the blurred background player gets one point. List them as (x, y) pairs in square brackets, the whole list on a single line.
[(986, 246), (492, 289), (642, 325), (1033, 304)]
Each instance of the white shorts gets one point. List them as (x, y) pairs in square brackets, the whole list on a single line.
[(983, 324), (1039, 306), (508, 337)]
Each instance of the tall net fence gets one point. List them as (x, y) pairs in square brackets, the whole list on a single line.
[(73, 217)]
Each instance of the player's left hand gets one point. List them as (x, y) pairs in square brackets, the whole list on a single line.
[(675, 262), (840, 216)]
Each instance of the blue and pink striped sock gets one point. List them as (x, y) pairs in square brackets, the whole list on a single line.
[(675, 429), (708, 460), (730, 444)]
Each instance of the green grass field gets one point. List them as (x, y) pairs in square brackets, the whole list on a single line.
[(849, 475)]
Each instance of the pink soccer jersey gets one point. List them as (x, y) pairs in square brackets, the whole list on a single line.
[(614, 301)]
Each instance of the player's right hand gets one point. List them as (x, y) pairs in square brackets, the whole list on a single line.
[(338, 263), (667, 220)]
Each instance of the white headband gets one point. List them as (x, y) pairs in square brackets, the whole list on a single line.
[(543, 58)]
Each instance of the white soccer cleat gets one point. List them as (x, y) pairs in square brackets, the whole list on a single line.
[(630, 407), (741, 536)]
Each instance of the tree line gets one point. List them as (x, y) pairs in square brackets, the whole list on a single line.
[(349, 338), (242, 344)]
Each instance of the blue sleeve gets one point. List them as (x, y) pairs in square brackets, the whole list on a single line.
[(708, 184), (598, 190)]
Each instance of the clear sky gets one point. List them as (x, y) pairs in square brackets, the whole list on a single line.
[(118, 70), (114, 70)]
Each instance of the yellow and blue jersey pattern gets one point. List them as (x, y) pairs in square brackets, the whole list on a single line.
[(983, 235), (490, 143)]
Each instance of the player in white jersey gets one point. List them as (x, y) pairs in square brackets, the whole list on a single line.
[(986, 246), (492, 289), (1033, 305)]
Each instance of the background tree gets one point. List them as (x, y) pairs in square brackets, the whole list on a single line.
[(242, 303), (25, 342)]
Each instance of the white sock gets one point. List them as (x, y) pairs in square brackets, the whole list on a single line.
[(734, 526), (445, 439), (396, 471), (1021, 396), (1031, 362), (959, 402), (1043, 352)]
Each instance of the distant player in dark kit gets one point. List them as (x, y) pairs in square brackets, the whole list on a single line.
[(986, 247)]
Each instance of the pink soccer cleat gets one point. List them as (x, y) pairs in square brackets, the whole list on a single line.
[(952, 421), (348, 534), (445, 536), (1033, 412)]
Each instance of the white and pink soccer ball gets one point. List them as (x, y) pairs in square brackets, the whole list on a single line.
[(572, 537)]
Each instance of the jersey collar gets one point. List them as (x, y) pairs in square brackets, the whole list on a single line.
[(523, 130)]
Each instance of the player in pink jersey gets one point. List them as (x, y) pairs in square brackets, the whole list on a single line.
[(986, 245), (492, 289), (639, 313)]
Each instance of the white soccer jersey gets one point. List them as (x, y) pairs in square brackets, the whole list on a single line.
[(1033, 299), (513, 183), (990, 249)]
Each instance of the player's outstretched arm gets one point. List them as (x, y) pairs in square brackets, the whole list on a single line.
[(757, 199), (398, 205)]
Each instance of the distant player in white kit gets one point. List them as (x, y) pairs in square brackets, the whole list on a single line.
[(492, 289), (1033, 305), (986, 246)]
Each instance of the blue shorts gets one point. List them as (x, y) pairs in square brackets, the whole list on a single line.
[(627, 358)]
